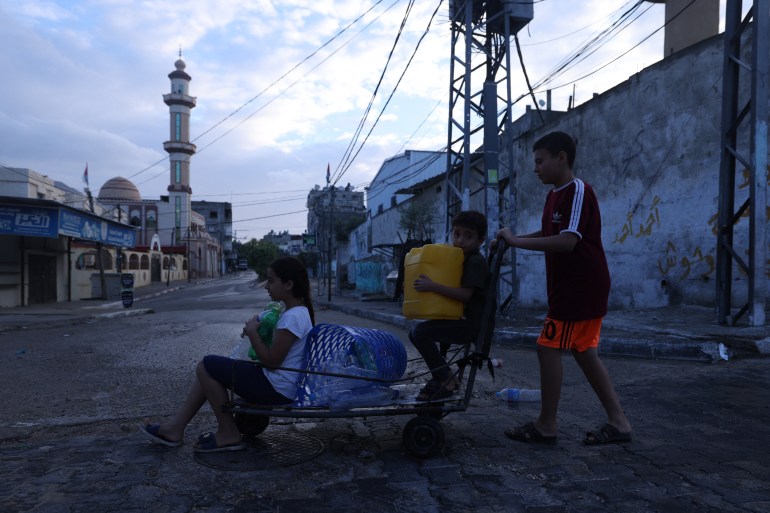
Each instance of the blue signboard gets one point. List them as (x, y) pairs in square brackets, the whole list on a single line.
[(34, 221), (86, 227), (29, 221)]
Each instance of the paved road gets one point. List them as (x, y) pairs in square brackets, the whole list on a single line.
[(700, 445)]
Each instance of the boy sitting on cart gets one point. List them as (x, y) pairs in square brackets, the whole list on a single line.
[(469, 230)]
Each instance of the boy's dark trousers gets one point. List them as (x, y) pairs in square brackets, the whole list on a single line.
[(431, 337)]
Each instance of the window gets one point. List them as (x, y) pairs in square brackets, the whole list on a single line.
[(136, 218), (151, 221), (87, 260), (145, 263), (133, 261), (177, 126), (177, 171)]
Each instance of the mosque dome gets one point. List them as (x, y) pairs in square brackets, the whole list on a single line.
[(119, 188), (180, 65)]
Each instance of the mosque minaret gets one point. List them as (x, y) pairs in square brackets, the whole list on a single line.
[(180, 151)]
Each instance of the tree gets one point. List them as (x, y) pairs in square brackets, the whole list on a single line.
[(260, 255), (310, 259), (417, 220), (347, 224)]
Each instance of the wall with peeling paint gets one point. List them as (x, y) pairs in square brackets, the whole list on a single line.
[(650, 147)]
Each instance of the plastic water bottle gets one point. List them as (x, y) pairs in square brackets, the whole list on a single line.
[(496, 362), (521, 395)]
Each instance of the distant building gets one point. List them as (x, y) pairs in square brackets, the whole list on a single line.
[(180, 230), (219, 224), (166, 239), (332, 213), (124, 203), (290, 244), (376, 247), (340, 206), (49, 241), (401, 172)]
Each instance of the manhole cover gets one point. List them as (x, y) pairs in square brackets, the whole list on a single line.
[(268, 450)]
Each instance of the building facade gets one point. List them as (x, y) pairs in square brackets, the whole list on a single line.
[(49, 243), (60, 244), (218, 217)]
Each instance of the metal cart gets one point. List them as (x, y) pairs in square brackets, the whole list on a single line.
[(423, 435)]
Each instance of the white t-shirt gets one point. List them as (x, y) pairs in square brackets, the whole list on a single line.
[(296, 320)]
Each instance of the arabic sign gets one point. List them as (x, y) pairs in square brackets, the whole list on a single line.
[(51, 222), (31, 221), (90, 228)]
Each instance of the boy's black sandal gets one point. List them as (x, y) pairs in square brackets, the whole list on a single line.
[(528, 433), (435, 391), (606, 434)]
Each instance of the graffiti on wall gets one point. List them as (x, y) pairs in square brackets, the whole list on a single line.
[(686, 262), (746, 175), (368, 276), (638, 229)]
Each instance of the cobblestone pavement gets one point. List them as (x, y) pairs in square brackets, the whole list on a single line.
[(700, 444)]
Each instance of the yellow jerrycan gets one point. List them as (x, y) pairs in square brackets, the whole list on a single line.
[(442, 264)]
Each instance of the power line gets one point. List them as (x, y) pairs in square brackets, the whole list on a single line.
[(347, 154), (293, 68), (390, 97)]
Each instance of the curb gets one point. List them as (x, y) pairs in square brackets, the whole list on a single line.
[(128, 312), (650, 348)]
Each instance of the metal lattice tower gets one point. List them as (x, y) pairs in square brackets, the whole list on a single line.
[(750, 119), (480, 62)]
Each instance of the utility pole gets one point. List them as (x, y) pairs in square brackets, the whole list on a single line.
[(100, 263), (482, 29), (118, 252), (189, 260), (329, 262), (750, 115), (168, 271)]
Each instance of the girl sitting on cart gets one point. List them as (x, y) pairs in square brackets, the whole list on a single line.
[(287, 281)]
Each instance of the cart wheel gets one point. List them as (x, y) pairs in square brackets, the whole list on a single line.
[(423, 436), (251, 425)]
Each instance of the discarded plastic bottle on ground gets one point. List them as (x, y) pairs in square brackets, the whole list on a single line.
[(496, 362), (521, 395)]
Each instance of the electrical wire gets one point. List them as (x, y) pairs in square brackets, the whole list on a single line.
[(346, 157), (272, 84), (596, 70), (390, 97)]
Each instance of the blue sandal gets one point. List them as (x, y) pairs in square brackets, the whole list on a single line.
[(208, 443), (152, 431)]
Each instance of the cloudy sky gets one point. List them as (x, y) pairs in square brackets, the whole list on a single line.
[(281, 87)]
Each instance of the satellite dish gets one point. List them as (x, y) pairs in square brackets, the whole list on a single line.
[(541, 102)]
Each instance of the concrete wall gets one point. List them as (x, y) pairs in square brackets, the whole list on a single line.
[(651, 149), (398, 172)]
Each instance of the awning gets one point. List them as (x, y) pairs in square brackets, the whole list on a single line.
[(46, 218)]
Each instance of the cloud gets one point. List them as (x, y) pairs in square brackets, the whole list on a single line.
[(85, 80)]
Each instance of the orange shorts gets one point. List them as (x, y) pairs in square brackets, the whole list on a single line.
[(577, 335)]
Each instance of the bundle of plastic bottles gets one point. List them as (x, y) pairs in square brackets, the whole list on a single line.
[(268, 318), (355, 367)]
